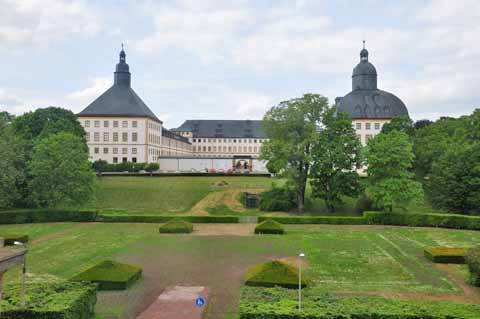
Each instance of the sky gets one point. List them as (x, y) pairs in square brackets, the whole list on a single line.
[(214, 59)]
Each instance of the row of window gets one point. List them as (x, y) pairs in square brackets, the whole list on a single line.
[(219, 140), (225, 149), (154, 139), (106, 123), (115, 136), (154, 126), (368, 126), (115, 150)]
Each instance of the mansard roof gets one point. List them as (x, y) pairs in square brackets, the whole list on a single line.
[(223, 128)]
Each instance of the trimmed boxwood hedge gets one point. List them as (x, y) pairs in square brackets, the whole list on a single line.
[(110, 275), (9, 239), (128, 218), (273, 273), (27, 216), (275, 304), (332, 220), (430, 220), (445, 255), (269, 226), (176, 226), (57, 300)]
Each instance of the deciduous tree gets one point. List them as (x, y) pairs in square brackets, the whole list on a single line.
[(12, 169)]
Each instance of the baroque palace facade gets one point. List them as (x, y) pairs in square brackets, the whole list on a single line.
[(120, 127)]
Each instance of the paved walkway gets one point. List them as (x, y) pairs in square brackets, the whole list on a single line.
[(176, 303)]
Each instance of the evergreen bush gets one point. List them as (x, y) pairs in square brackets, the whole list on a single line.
[(445, 255), (273, 273), (176, 226), (269, 226), (110, 275)]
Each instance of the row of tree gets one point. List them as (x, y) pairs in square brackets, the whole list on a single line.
[(310, 141), (44, 160)]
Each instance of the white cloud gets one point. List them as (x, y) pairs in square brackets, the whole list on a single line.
[(39, 22), (81, 98), (12, 103)]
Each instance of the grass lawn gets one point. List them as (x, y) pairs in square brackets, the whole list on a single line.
[(341, 259)]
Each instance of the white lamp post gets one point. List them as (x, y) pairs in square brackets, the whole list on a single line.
[(300, 256), (24, 272)]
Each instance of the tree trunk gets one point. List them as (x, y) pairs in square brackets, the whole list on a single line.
[(303, 171)]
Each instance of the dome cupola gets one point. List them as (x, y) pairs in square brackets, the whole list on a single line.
[(364, 75), (122, 74)]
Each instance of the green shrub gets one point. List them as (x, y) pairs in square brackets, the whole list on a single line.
[(273, 273), (363, 204), (278, 303), (176, 226), (110, 275), (152, 167), (277, 199), (472, 258), (330, 220), (10, 239), (445, 255), (24, 216), (269, 226), (60, 300), (127, 218), (430, 220)]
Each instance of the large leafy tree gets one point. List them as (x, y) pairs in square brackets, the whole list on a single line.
[(5, 119), (61, 175), (291, 128), (12, 169), (401, 123), (389, 162), (336, 157)]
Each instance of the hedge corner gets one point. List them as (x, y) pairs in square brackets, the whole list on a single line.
[(110, 275), (270, 226), (10, 239), (176, 226), (445, 255), (273, 273)]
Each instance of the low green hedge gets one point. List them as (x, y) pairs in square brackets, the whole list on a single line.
[(429, 220), (273, 273), (332, 220), (472, 259), (61, 300), (110, 275), (10, 239), (27, 216), (176, 226), (269, 226), (127, 218), (273, 303), (445, 255)]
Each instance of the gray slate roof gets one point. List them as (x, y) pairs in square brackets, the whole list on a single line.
[(223, 128)]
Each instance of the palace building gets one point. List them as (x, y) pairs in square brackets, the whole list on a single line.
[(368, 106), (120, 127)]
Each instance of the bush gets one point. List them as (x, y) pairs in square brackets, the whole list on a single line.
[(10, 239), (363, 204), (25, 216), (60, 300), (176, 226), (473, 260), (269, 226), (110, 275), (100, 166), (152, 167), (416, 220), (329, 220), (445, 255), (277, 303), (277, 199), (126, 218), (273, 273)]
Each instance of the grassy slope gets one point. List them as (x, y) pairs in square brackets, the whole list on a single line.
[(340, 258)]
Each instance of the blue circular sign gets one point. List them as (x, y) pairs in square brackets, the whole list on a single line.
[(200, 302)]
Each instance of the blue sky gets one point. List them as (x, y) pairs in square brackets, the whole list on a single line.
[(194, 59)]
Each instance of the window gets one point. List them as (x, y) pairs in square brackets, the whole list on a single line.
[(115, 150), (368, 126), (244, 149), (96, 123), (235, 149), (209, 148), (134, 159), (249, 149), (229, 148), (124, 124), (87, 123), (124, 137), (359, 137), (105, 137), (377, 126), (204, 149), (134, 150), (124, 159), (115, 136), (234, 141), (115, 160), (254, 141), (105, 150), (124, 150), (194, 148), (134, 136), (194, 140), (214, 148), (359, 126), (105, 123), (87, 136), (134, 124), (96, 137), (96, 150), (255, 149), (224, 149)]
